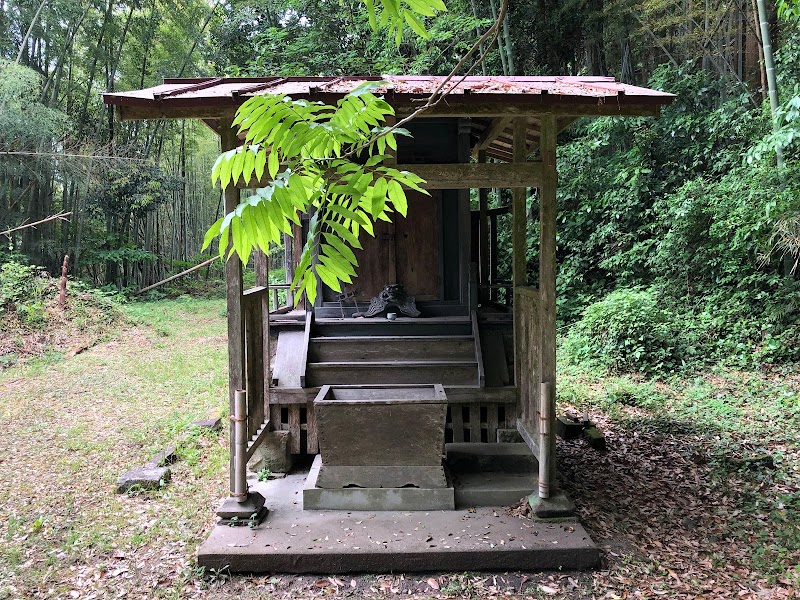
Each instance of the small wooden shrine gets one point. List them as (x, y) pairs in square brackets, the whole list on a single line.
[(469, 339)]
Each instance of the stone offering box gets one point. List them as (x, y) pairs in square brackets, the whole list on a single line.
[(381, 436)]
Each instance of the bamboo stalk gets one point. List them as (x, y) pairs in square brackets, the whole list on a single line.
[(181, 274)]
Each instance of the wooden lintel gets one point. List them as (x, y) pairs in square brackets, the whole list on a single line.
[(610, 108), (496, 127), (457, 176), (601, 109)]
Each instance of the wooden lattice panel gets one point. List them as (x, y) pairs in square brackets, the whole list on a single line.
[(466, 422)]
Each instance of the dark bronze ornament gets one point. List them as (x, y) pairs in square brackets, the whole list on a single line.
[(392, 294)]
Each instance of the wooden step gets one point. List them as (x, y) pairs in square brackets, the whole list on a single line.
[(446, 372), (406, 326), (391, 348)]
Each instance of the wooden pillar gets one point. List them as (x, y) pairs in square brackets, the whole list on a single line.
[(261, 267), (547, 275), (494, 257), (519, 244), (234, 291), (483, 233), (464, 153)]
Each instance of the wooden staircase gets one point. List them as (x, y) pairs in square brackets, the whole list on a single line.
[(442, 350)]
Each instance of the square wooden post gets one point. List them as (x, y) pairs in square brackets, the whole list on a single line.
[(483, 233), (519, 236), (547, 282), (234, 293)]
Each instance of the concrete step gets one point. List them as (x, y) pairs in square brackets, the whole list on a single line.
[(484, 458), (391, 348), (446, 372), (492, 488)]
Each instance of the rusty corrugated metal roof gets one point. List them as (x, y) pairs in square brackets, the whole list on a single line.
[(226, 91), (485, 99)]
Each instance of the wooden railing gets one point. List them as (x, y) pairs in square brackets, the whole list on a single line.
[(527, 343)]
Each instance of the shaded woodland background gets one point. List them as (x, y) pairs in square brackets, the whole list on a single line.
[(678, 235)]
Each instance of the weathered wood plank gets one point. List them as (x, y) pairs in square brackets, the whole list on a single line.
[(451, 108), (294, 428), (254, 362), (478, 353), (457, 421), (474, 423), (547, 274), (312, 440), (496, 127), (289, 363), (304, 347), (491, 422)]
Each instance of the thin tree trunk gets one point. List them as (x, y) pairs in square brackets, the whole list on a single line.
[(769, 64)]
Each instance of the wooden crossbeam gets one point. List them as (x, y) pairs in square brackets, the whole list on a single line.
[(459, 176), (496, 127)]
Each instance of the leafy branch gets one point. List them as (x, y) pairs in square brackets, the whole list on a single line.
[(301, 146), (310, 152)]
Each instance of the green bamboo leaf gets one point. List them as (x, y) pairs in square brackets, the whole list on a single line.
[(273, 164), (343, 249), (328, 278), (398, 197), (212, 232)]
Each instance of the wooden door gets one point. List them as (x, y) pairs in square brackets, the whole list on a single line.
[(405, 251), (417, 247)]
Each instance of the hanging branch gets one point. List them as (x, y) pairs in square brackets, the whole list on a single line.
[(60, 216)]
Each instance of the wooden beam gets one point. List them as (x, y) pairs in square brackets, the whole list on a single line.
[(483, 235), (597, 107), (459, 176), (496, 127), (520, 226), (547, 280), (519, 235), (234, 293)]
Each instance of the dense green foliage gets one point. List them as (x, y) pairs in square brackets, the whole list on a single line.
[(685, 211)]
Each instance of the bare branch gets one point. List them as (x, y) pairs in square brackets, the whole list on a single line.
[(60, 216)]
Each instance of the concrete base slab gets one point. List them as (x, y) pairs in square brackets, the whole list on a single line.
[(375, 499), (493, 488), (556, 506), (293, 540)]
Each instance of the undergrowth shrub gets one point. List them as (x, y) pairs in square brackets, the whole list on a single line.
[(33, 324), (626, 331)]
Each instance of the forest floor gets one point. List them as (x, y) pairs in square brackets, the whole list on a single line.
[(698, 494)]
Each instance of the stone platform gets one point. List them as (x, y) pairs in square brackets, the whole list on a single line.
[(386, 498), (293, 540)]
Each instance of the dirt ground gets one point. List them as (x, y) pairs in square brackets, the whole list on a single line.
[(683, 503)]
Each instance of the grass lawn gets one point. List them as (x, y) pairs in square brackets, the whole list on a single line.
[(698, 494)]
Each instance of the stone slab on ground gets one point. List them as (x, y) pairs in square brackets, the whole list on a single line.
[(480, 458), (293, 540), (493, 488), (374, 499), (143, 479)]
